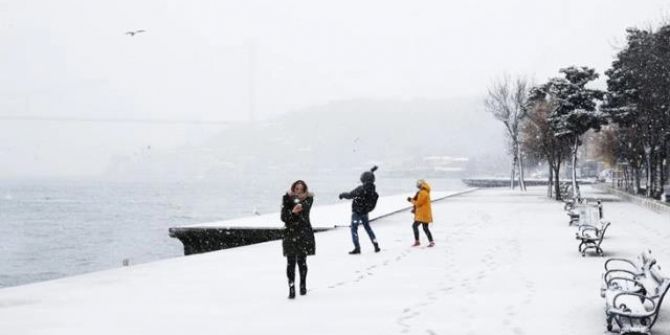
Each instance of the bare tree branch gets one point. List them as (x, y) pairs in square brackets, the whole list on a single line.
[(506, 100)]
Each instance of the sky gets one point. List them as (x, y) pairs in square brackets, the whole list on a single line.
[(234, 61)]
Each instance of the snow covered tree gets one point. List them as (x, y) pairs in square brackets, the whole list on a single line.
[(638, 101), (506, 100), (575, 110), (540, 141)]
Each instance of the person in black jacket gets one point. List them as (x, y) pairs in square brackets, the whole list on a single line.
[(362, 196), (298, 241)]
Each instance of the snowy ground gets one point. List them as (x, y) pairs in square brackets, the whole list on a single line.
[(505, 263)]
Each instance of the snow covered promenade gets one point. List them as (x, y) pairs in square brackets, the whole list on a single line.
[(505, 263)]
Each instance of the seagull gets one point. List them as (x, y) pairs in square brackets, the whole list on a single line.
[(132, 33)]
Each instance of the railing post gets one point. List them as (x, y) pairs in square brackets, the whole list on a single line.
[(600, 209)]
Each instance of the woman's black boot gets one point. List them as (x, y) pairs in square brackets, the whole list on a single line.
[(291, 290), (303, 287)]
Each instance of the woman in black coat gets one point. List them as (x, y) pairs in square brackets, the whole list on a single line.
[(298, 241)]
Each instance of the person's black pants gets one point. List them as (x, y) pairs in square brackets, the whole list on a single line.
[(291, 261), (415, 227)]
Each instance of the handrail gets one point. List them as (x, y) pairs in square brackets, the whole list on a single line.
[(642, 297), (624, 260)]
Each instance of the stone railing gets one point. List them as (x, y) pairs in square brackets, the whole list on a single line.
[(655, 205)]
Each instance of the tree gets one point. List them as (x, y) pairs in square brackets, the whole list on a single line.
[(621, 146), (575, 110), (539, 139), (637, 100), (506, 100)]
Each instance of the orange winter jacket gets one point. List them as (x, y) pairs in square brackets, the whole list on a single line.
[(422, 210)]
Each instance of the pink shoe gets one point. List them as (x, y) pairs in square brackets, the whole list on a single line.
[(431, 244), (416, 244)]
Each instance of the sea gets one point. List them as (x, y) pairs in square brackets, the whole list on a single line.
[(53, 228)]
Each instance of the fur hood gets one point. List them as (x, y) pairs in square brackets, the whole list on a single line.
[(423, 185), (308, 195)]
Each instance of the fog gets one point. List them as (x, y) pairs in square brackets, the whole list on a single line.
[(80, 97)]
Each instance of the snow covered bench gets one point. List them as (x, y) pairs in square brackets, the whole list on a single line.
[(570, 208), (625, 268), (590, 221), (591, 237), (568, 205), (581, 212), (590, 224), (636, 312), (566, 190)]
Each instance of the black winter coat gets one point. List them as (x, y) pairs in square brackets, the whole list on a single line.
[(298, 234), (361, 196)]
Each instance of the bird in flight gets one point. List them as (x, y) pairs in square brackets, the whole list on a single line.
[(134, 32)]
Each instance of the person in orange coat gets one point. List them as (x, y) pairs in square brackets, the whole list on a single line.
[(423, 214)]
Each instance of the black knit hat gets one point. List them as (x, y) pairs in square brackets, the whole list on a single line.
[(368, 177)]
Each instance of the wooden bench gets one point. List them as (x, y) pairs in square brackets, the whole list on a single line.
[(636, 312), (571, 203), (625, 268), (590, 226), (570, 208), (572, 212), (566, 190), (591, 237), (584, 213)]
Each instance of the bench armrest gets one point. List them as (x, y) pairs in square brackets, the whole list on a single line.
[(588, 226), (637, 286), (622, 260), (585, 228), (610, 273), (621, 309)]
